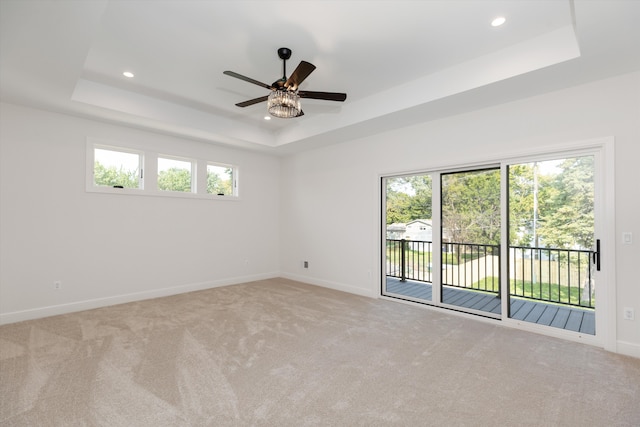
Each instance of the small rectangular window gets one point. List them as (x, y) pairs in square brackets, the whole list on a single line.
[(117, 169), (175, 175), (220, 180)]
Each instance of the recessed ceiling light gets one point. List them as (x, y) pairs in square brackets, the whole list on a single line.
[(128, 74), (498, 21), (267, 117)]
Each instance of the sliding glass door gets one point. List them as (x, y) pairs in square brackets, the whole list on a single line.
[(470, 212), (409, 236), (552, 241), (514, 240)]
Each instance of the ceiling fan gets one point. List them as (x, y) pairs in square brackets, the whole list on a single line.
[(284, 99)]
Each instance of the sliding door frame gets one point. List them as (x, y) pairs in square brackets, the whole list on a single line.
[(604, 204)]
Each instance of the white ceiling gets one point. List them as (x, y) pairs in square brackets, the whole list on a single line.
[(400, 62)]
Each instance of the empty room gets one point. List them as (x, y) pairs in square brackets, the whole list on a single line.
[(319, 213)]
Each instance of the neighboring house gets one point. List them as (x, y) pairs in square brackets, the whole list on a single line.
[(419, 229), (416, 230), (396, 230)]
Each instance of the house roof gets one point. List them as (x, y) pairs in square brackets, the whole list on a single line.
[(397, 226), (421, 221), (400, 62)]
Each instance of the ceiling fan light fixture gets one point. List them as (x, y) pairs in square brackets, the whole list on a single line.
[(284, 104)]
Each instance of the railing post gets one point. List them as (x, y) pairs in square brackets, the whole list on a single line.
[(499, 269), (402, 261)]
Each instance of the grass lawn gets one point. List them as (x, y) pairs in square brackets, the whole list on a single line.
[(544, 291)]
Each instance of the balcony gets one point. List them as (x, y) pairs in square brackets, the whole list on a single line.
[(548, 286)]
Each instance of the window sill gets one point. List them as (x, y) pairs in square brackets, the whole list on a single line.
[(159, 193)]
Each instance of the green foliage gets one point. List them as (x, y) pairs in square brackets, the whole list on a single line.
[(471, 206), (568, 218), (219, 185), (408, 198), (522, 185), (520, 204), (563, 216), (175, 179), (111, 176), (552, 292)]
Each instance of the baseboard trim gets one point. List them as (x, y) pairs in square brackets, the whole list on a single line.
[(54, 310), (628, 349), (331, 285)]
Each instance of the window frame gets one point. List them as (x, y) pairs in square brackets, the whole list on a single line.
[(193, 173), (91, 185), (603, 150), (234, 179), (149, 170)]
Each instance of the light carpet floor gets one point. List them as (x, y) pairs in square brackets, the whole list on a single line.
[(282, 353)]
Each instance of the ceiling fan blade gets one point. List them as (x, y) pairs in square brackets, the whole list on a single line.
[(247, 79), (329, 96), (299, 74), (252, 101)]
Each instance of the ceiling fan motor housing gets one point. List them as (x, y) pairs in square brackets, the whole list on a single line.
[(284, 53)]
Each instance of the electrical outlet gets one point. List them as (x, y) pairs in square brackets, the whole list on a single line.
[(628, 313), (57, 284), (305, 264)]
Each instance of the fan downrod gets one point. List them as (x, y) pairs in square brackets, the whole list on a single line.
[(284, 53)]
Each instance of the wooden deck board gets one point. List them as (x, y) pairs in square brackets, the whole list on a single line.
[(494, 306), (560, 321), (574, 321), (547, 317), (523, 310), (569, 318), (410, 289), (515, 306), (458, 298), (535, 313), (488, 303), (588, 323), (481, 300)]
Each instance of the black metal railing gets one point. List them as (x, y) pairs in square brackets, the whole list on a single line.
[(549, 274), (474, 266), (409, 259), (560, 276)]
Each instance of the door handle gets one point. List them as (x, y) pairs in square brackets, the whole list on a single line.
[(596, 255)]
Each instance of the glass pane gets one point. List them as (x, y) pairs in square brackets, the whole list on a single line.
[(551, 233), (471, 240), (220, 180), (409, 236), (116, 168), (174, 175)]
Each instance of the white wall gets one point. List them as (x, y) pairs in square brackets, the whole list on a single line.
[(108, 248), (321, 206), (330, 196)]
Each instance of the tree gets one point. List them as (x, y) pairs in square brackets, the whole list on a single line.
[(217, 184), (175, 179), (522, 187), (568, 218), (562, 217), (409, 198), (471, 206), (111, 176)]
